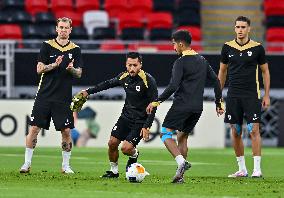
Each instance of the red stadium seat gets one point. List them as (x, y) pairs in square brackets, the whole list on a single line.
[(150, 47), (275, 34), (273, 7), (35, 6), (112, 45), (116, 7), (75, 16), (130, 20), (11, 31), (142, 7), (62, 5), (275, 49), (160, 20), (85, 5), (195, 32)]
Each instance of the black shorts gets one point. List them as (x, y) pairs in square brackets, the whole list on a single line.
[(128, 130), (238, 109), (181, 120), (60, 113)]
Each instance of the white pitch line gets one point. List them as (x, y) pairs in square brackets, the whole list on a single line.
[(45, 156)]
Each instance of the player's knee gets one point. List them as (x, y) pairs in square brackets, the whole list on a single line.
[(126, 149), (165, 134), (237, 129), (66, 133), (112, 144), (34, 130)]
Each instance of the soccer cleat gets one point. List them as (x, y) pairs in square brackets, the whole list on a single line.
[(67, 170), (178, 178), (131, 160), (110, 174), (256, 174), (25, 168), (239, 174)]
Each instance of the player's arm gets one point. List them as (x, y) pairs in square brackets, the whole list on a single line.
[(222, 74), (266, 82), (152, 94), (75, 66), (42, 68)]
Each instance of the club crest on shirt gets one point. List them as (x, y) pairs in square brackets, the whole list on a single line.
[(137, 88), (249, 53), (70, 56)]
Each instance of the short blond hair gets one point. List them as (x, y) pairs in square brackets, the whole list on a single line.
[(64, 19)]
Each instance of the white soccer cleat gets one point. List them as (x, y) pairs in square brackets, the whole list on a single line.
[(67, 170), (239, 174), (256, 174), (178, 178), (25, 168)]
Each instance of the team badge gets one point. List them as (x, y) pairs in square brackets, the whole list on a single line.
[(137, 88), (229, 117), (70, 56), (249, 53)]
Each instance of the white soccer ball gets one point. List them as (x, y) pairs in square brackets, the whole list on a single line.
[(136, 173)]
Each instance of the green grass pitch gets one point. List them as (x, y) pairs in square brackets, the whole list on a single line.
[(206, 178)]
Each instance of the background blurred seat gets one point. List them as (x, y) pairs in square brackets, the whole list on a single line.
[(79, 33), (159, 20), (35, 6), (93, 19), (10, 31), (164, 5), (132, 34), (141, 7), (160, 34), (21, 17), (112, 45), (76, 17), (116, 7), (84, 5), (32, 32), (104, 33), (61, 5), (45, 18), (12, 5)]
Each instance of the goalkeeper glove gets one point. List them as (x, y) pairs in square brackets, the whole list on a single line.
[(77, 102)]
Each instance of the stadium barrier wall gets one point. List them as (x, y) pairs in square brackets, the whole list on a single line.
[(14, 116)]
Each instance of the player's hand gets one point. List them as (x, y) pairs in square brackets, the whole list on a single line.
[(85, 93), (151, 106), (219, 111), (265, 102), (220, 107), (145, 134), (70, 66), (58, 60)]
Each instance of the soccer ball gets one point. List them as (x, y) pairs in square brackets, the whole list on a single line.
[(136, 173)]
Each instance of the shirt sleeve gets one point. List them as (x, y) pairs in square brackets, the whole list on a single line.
[(177, 73), (152, 93), (217, 86), (224, 54), (44, 54), (261, 57), (114, 82), (78, 61)]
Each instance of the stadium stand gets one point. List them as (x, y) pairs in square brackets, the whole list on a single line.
[(35, 6)]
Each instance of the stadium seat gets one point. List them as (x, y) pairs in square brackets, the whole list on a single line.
[(273, 7), (275, 49), (112, 45), (142, 7), (12, 5), (31, 45), (150, 47), (116, 7), (132, 34), (10, 31), (21, 17), (45, 18), (195, 32), (79, 33), (274, 21), (76, 17), (88, 45), (48, 32), (159, 20), (164, 5), (62, 5), (84, 5), (275, 35), (32, 32), (188, 18), (94, 19), (35, 6), (104, 33), (130, 20), (160, 34), (5, 17)]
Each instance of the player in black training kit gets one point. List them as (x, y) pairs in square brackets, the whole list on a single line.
[(188, 80), (59, 62), (134, 123), (240, 58)]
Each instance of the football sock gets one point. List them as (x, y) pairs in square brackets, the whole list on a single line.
[(135, 155), (179, 159), (256, 160), (242, 163), (28, 155), (65, 158), (114, 167)]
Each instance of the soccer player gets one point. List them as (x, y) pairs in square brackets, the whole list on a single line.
[(189, 75), (59, 62), (134, 123), (240, 58)]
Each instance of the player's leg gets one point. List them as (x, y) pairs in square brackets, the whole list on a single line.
[(234, 116), (182, 143), (40, 118), (253, 112), (63, 121)]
